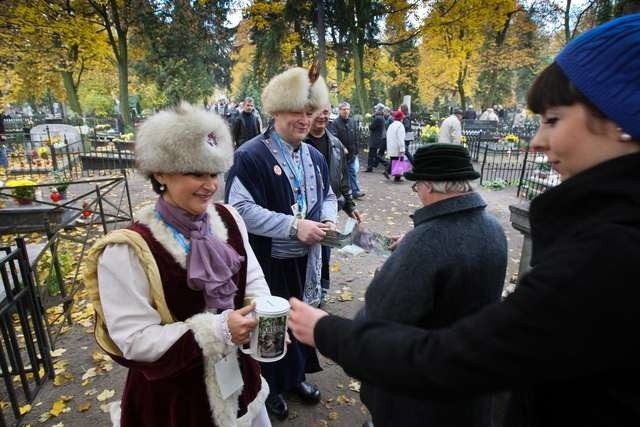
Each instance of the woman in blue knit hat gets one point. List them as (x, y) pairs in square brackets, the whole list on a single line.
[(564, 342)]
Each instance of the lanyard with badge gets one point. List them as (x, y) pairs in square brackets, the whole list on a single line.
[(299, 209)]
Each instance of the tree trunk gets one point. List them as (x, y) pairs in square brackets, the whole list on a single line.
[(320, 28), (298, 29), (361, 91), (72, 93), (123, 80)]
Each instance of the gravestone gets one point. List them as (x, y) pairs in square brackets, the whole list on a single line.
[(58, 133)]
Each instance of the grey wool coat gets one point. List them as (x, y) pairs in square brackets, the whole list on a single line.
[(449, 266)]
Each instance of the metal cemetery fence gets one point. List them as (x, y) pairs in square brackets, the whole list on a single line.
[(101, 154), (25, 358)]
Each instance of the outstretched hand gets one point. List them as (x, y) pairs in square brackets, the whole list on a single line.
[(241, 324), (396, 241), (303, 319)]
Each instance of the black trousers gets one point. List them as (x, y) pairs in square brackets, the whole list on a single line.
[(376, 157)]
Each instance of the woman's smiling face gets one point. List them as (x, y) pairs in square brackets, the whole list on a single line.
[(575, 140), (191, 192)]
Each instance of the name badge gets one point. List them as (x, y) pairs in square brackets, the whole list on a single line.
[(228, 375)]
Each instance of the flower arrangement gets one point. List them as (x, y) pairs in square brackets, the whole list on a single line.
[(510, 137), (103, 127), (43, 152), (430, 134), (22, 189), (61, 181)]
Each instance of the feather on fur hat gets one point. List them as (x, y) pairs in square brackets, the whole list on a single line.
[(295, 90), (184, 139)]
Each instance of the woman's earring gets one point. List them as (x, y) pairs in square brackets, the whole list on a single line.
[(624, 137), (162, 188)]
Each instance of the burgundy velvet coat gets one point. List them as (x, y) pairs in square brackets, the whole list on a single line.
[(171, 391)]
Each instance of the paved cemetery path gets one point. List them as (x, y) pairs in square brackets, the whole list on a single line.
[(385, 208)]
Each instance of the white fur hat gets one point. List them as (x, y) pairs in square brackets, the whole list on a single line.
[(295, 90), (184, 139)]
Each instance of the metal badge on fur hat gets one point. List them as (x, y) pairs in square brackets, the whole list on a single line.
[(604, 64), (295, 90), (182, 140)]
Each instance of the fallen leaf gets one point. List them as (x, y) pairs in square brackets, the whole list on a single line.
[(25, 409), (58, 352), (57, 407), (354, 386), (106, 394), (97, 356), (62, 379), (44, 417), (333, 416), (58, 425), (346, 296), (84, 406), (65, 397), (90, 373), (105, 407), (90, 392)]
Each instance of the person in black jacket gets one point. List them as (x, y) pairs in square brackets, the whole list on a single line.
[(335, 155), (563, 341), (246, 125), (344, 127), (377, 139)]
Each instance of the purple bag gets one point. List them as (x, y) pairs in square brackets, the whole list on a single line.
[(400, 166)]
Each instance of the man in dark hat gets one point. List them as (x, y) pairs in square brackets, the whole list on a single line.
[(450, 265)]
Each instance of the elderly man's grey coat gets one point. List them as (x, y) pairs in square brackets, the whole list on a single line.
[(450, 265)]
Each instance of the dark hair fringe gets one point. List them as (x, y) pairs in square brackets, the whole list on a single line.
[(552, 88), (155, 185)]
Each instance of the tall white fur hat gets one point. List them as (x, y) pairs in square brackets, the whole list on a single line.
[(184, 139), (295, 90)]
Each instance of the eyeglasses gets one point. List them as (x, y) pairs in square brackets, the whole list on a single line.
[(414, 187)]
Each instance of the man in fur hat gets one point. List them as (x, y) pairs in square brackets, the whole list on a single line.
[(281, 187)]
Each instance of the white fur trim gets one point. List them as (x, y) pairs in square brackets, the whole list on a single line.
[(164, 236), (184, 139), (207, 331), (292, 91), (254, 408)]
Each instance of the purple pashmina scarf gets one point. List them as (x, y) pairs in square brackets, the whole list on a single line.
[(211, 262)]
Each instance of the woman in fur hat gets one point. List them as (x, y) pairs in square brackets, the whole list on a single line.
[(168, 291), (564, 341)]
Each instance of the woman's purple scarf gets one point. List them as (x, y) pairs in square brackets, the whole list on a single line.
[(211, 262)]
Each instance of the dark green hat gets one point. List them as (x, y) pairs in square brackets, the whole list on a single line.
[(442, 162)]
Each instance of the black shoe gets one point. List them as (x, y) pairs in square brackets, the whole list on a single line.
[(369, 170), (386, 175), (307, 392), (358, 195), (397, 179), (277, 406)]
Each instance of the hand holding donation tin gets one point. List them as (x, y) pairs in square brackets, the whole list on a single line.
[(267, 341)]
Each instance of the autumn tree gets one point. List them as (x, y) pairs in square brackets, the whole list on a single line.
[(115, 17), (52, 39), (453, 35), (186, 47)]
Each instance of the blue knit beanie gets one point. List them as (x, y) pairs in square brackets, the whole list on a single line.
[(604, 64)]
